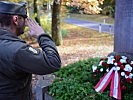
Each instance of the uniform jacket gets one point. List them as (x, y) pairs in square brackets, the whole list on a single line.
[(18, 61)]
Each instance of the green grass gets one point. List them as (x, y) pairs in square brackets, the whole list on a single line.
[(94, 18), (91, 37)]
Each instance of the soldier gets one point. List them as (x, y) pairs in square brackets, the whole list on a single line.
[(19, 60)]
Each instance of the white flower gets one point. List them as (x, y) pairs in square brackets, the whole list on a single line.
[(112, 57), (107, 70), (128, 68), (130, 75), (118, 68), (123, 61), (126, 76), (101, 70), (131, 62), (115, 64), (100, 63), (124, 57), (122, 73), (110, 60), (94, 68)]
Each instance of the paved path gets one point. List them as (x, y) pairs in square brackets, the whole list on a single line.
[(101, 27)]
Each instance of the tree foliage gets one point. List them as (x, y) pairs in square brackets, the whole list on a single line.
[(108, 7), (85, 6)]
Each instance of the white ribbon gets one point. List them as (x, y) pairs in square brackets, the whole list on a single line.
[(114, 79)]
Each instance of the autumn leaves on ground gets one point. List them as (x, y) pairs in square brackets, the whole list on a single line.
[(82, 43)]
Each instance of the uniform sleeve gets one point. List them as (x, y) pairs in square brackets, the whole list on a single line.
[(38, 61)]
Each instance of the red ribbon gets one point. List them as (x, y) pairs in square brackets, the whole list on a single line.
[(112, 76)]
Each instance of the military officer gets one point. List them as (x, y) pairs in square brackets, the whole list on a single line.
[(19, 60)]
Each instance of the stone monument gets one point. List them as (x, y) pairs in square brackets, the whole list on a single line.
[(123, 33)]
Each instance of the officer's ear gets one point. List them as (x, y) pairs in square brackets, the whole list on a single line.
[(15, 19)]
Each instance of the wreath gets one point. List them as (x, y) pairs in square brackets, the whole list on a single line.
[(116, 71)]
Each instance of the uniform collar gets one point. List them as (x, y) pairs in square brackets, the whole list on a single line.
[(6, 35)]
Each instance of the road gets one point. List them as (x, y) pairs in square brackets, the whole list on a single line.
[(101, 27)]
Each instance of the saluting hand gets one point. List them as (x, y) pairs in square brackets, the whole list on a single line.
[(34, 28)]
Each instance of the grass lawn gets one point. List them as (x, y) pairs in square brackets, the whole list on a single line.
[(95, 18), (83, 43)]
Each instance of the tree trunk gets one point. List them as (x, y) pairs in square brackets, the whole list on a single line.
[(123, 37), (36, 11), (56, 35)]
